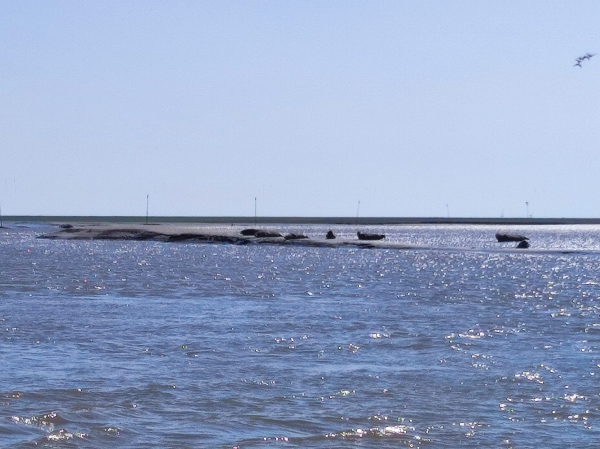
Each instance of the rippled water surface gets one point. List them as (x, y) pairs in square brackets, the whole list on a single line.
[(147, 344)]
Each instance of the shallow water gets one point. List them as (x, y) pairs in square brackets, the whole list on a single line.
[(148, 344)]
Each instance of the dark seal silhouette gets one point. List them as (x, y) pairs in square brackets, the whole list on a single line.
[(365, 236), (262, 234), (510, 237), (295, 236), (330, 235), (523, 244)]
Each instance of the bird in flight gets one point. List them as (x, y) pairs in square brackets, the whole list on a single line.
[(580, 59)]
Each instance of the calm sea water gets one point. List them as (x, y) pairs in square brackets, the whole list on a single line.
[(147, 344)]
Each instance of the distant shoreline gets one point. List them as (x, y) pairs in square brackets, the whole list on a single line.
[(302, 220)]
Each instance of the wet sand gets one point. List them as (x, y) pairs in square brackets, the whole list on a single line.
[(200, 233)]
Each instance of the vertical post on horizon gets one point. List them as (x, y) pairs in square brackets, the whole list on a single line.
[(147, 202), (357, 209), (447, 210), (1, 224), (254, 211), (526, 209)]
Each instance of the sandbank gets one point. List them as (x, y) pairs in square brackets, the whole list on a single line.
[(199, 233)]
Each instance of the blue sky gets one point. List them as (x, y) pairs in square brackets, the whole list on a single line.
[(413, 108)]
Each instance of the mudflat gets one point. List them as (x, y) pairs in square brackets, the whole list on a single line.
[(198, 233)]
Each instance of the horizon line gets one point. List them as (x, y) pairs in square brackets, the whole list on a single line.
[(246, 219)]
